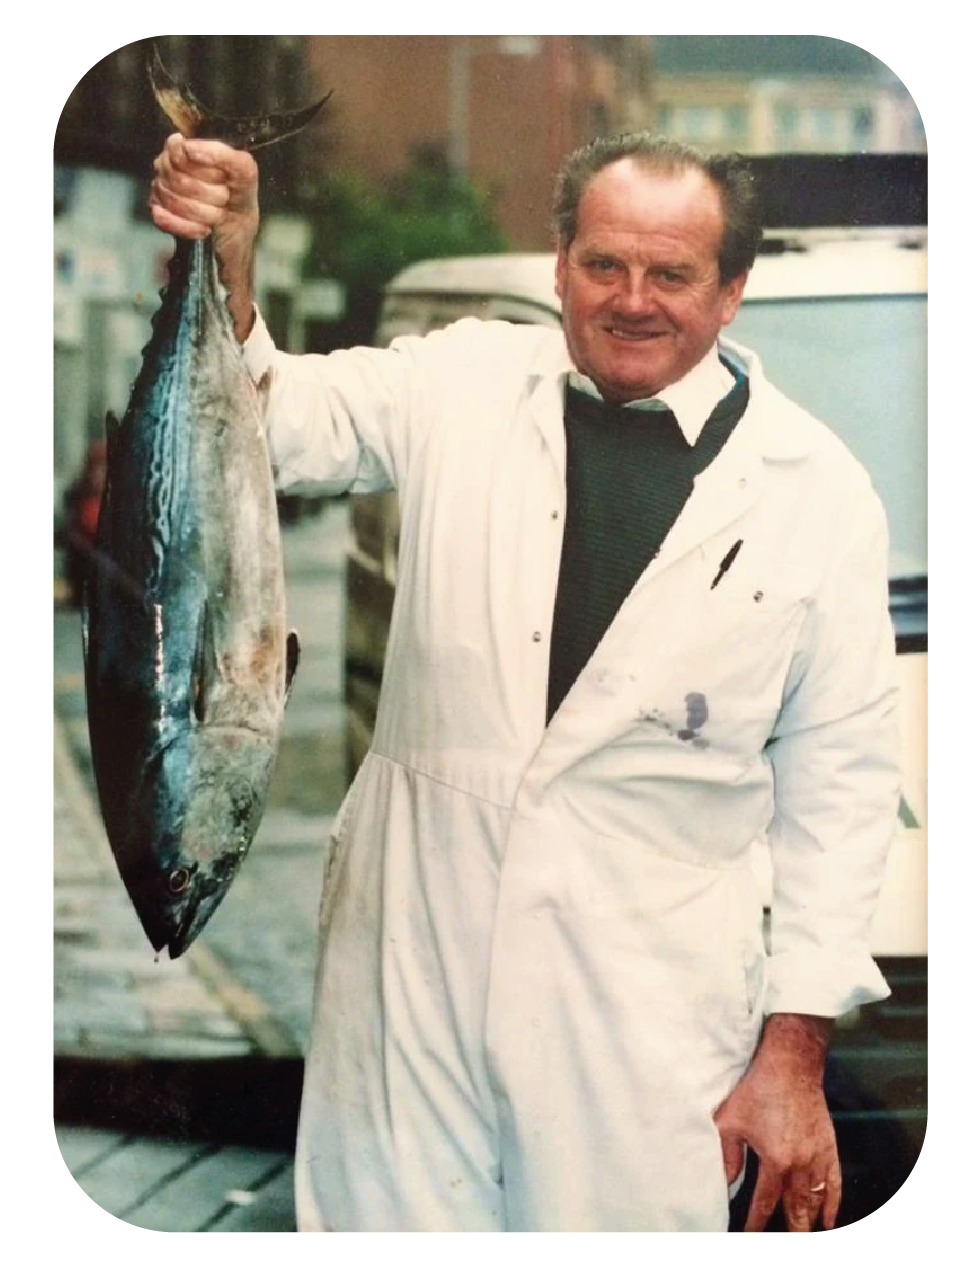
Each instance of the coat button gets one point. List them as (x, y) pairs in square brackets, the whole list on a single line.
[(555, 514), (536, 636)]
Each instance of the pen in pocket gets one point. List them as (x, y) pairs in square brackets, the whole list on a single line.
[(726, 561)]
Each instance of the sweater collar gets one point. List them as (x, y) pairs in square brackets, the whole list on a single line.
[(691, 399), (778, 427)]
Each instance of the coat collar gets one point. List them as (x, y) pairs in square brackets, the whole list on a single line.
[(772, 425), (781, 429)]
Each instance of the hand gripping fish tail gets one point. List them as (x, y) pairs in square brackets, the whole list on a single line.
[(188, 659)]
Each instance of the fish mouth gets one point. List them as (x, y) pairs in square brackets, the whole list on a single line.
[(196, 912), (190, 925), (173, 921)]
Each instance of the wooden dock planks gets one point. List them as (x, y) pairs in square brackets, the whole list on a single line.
[(179, 1185)]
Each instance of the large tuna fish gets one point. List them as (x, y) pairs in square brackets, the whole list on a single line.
[(187, 656)]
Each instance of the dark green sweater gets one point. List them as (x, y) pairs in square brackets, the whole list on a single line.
[(629, 473)]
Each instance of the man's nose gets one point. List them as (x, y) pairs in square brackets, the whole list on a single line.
[(635, 296)]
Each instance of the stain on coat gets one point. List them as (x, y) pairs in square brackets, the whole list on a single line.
[(697, 715)]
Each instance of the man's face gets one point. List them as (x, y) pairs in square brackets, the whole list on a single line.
[(642, 299)]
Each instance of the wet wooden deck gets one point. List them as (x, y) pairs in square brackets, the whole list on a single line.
[(180, 1185)]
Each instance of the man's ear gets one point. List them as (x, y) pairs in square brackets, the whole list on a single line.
[(561, 266), (731, 297)]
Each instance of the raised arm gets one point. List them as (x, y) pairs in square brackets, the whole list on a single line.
[(202, 187)]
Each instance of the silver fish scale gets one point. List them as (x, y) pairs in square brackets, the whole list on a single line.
[(167, 460)]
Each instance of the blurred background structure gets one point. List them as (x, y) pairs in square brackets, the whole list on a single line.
[(431, 146)]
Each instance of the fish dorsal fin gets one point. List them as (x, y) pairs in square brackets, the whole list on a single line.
[(292, 653), (194, 120), (112, 430)]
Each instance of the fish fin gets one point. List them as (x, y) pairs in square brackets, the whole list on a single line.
[(194, 120), (180, 104), (202, 664), (113, 433), (113, 430), (291, 658)]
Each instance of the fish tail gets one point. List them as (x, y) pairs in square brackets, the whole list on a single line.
[(194, 120)]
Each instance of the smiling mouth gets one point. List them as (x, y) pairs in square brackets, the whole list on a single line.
[(634, 336)]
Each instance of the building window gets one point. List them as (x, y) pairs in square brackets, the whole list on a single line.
[(735, 121), (786, 123), (823, 121), (862, 125), (696, 122)]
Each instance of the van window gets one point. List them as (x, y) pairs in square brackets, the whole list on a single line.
[(860, 365)]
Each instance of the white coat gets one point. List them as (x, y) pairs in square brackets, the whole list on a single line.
[(542, 963)]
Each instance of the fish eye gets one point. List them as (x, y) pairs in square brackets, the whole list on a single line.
[(178, 881)]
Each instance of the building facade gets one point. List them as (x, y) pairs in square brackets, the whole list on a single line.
[(765, 95), (505, 109), (809, 114)]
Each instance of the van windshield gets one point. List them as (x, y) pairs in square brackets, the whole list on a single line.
[(860, 365)]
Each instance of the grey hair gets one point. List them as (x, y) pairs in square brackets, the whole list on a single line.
[(730, 174)]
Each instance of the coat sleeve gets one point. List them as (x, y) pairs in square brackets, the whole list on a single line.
[(347, 421), (834, 755)]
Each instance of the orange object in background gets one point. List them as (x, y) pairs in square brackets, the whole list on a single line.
[(82, 503)]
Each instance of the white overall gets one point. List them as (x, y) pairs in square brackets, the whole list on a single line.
[(542, 964)]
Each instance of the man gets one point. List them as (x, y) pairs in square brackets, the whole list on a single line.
[(641, 624)]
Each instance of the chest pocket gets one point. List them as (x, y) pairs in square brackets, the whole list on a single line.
[(715, 670)]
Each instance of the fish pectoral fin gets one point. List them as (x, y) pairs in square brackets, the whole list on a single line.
[(292, 653), (204, 663)]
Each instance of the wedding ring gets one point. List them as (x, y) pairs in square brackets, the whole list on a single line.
[(817, 1189)]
